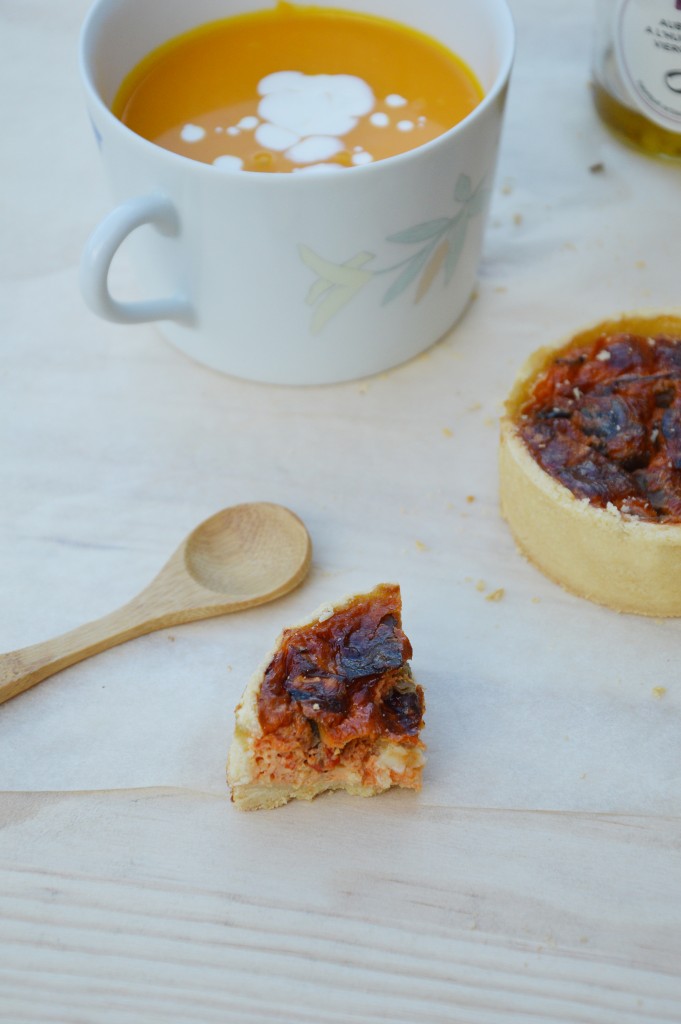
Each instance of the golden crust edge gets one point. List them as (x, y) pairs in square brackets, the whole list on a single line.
[(614, 560), (240, 774)]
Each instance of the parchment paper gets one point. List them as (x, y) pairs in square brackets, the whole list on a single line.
[(113, 446)]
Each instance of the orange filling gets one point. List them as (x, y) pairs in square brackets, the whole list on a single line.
[(209, 78)]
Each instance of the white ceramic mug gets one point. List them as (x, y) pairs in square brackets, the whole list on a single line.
[(295, 278)]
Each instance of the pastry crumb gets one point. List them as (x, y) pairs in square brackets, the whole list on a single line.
[(481, 586), (496, 595), (597, 168), (517, 218), (474, 407), (470, 498), (447, 432), (420, 546), (658, 692)]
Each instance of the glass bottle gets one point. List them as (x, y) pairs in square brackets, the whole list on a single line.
[(637, 72)]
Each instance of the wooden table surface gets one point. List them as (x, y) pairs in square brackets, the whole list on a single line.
[(537, 877)]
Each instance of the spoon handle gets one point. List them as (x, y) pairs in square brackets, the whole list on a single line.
[(21, 669)]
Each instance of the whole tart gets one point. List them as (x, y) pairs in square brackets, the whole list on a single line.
[(333, 706), (590, 463)]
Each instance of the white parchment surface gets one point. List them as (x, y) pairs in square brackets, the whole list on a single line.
[(113, 446)]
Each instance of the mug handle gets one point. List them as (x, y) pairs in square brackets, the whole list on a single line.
[(101, 248)]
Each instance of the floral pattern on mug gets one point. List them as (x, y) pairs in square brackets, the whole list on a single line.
[(438, 245)]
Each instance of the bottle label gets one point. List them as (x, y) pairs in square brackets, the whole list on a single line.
[(648, 49)]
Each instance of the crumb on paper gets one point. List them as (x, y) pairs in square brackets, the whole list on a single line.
[(481, 586), (640, 264), (420, 546), (470, 498), (597, 168), (536, 600), (447, 432), (517, 218), (490, 421), (474, 407), (171, 638), (496, 595), (229, 668), (507, 187), (501, 289), (659, 692)]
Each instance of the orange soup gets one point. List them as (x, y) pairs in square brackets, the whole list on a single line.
[(297, 89)]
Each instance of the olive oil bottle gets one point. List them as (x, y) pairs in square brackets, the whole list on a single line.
[(637, 73)]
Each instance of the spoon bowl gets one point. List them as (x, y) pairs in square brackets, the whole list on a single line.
[(249, 550), (241, 557)]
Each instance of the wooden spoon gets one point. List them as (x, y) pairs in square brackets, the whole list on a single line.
[(240, 557)]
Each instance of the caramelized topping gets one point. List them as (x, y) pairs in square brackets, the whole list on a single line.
[(346, 675), (605, 420)]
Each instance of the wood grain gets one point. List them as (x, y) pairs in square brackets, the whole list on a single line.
[(131, 905), (464, 905)]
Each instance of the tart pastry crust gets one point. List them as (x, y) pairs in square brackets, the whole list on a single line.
[(333, 706), (603, 554)]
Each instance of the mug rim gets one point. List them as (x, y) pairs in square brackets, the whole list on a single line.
[(193, 166)]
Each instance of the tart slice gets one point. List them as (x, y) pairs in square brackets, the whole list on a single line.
[(590, 463), (334, 706)]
